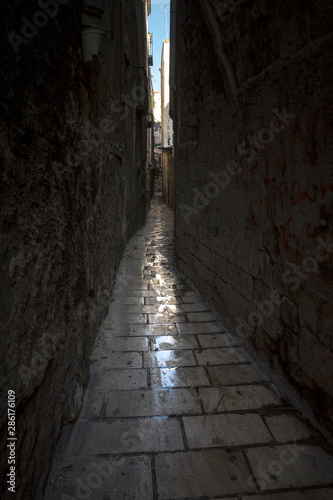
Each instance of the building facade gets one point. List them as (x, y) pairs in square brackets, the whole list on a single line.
[(74, 182), (166, 120), (167, 162), (252, 107)]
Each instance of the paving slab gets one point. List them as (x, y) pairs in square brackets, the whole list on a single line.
[(174, 342), (193, 307), (175, 309), (141, 293), (193, 328), (137, 281), (166, 317), (103, 478), (148, 309), (136, 318), (127, 436), (152, 403), (125, 344), (161, 300), (120, 360), (189, 298), (92, 405), (289, 428), (109, 380), (240, 397), (290, 466), (168, 359), (225, 430), (200, 317), (201, 474), (175, 407), (133, 300), (132, 288), (217, 340), (139, 330), (221, 356), (178, 377), (234, 375)]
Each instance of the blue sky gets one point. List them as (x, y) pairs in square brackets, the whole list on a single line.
[(156, 26)]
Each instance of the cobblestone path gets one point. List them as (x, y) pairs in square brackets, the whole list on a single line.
[(175, 408)]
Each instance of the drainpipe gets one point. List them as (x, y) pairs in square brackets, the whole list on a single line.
[(92, 33)]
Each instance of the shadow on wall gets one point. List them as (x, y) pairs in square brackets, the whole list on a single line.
[(254, 192), (168, 177), (72, 183)]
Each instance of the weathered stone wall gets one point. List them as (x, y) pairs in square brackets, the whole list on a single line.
[(252, 112), (168, 178), (73, 190)]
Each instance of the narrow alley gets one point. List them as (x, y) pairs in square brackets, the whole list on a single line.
[(175, 408), (166, 250)]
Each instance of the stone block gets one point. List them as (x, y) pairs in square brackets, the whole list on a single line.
[(234, 375), (234, 398), (225, 430), (178, 377), (152, 403), (289, 428), (201, 473), (222, 356), (127, 436), (290, 466), (168, 359)]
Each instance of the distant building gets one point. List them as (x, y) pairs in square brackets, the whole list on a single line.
[(168, 175), (150, 119), (166, 121), (157, 117), (157, 108)]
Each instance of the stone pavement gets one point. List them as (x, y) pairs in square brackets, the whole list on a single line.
[(175, 408)]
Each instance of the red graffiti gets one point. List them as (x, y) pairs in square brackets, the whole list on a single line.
[(255, 213), (280, 196), (287, 235), (284, 195), (299, 136)]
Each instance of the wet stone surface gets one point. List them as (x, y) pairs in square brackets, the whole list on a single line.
[(176, 408)]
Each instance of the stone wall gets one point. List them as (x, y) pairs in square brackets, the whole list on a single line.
[(73, 191), (168, 178), (252, 110)]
